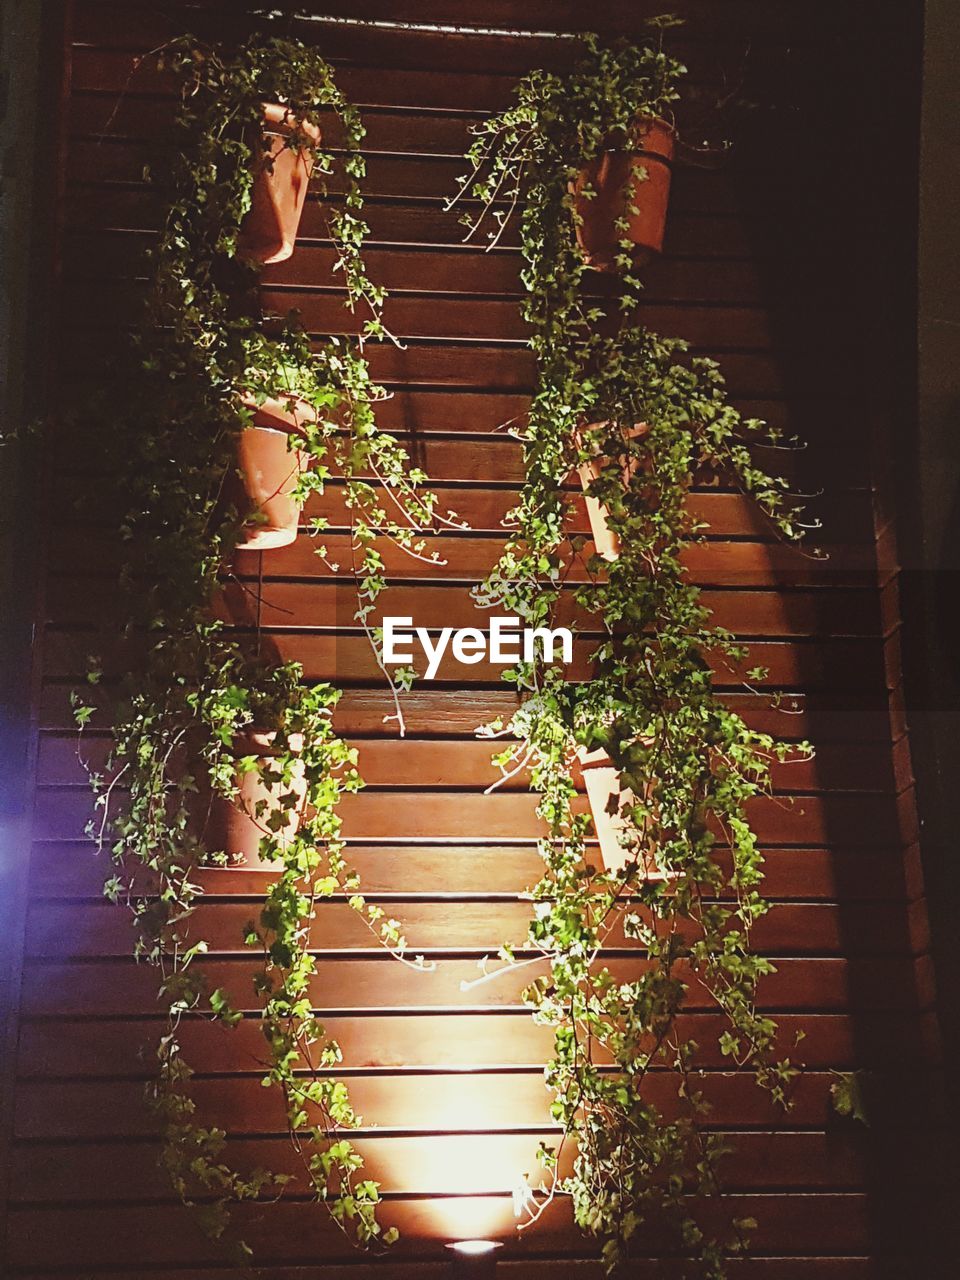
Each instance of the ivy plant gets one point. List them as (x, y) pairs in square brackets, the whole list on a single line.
[(655, 421), (201, 357)]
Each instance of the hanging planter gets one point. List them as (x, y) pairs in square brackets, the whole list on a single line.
[(236, 827), (629, 184), (607, 801), (269, 465), (281, 178), (605, 539)]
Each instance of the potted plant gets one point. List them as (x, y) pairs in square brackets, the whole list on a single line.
[(251, 143), (589, 154), (591, 472), (269, 466), (653, 416), (621, 800), (267, 800), (267, 752), (622, 196), (606, 799), (282, 166)]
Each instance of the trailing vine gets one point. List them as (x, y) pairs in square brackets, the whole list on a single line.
[(652, 420), (201, 360)]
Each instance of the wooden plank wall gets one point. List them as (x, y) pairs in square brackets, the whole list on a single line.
[(449, 1083)]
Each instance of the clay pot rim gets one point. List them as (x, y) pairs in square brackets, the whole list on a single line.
[(593, 757), (651, 123), (287, 406), (287, 123), (274, 431), (638, 430), (262, 739), (597, 757)]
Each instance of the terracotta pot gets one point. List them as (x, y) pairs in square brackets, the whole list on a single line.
[(280, 183), (604, 538), (234, 826), (269, 468), (602, 782), (617, 178)]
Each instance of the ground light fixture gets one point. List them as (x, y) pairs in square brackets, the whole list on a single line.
[(476, 1259)]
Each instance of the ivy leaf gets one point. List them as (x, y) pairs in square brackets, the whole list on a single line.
[(847, 1095)]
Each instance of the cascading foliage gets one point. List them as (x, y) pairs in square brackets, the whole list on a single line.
[(655, 421), (192, 686)]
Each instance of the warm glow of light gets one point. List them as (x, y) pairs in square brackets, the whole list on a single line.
[(474, 1248), (465, 1179), (471, 1217), (463, 1164)]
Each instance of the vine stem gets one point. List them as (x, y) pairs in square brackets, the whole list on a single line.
[(374, 646)]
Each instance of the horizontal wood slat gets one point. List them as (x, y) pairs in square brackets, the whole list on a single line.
[(469, 558), (394, 220), (56, 930), (458, 1164), (522, 44), (408, 1100), (484, 506), (830, 717), (88, 1236), (706, 20), (363, 86), (458, 816), (461, 763), (510, 369), (113, 1048), (424, 176), (98, 989), (412, 1102), (322, 605), (441, 312), (461, 271), (66, 869), (145, 118), (567, 1268), (437, 72)]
